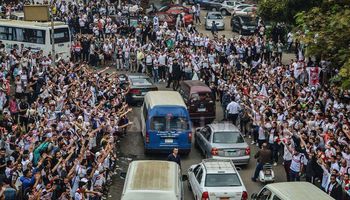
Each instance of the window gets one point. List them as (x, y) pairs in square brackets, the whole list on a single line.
[(61, 35), (275, 198), (199, 175), (215, 16), (196, 169), (264, 194), (222, 180), (6, 33), (227, 137), (169, 123), (203, 96)]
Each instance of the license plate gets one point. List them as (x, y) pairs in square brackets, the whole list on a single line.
[(169, 140), (224, 198), (201, 109), (230, 153)]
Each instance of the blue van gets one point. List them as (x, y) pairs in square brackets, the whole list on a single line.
[(165, 122)]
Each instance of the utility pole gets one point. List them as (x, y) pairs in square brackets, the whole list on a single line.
[(53, 53)]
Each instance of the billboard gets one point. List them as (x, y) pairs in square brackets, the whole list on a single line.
[(36, 13)]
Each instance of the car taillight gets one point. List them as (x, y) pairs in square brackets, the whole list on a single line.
[(214, 151), (244, 195), (189, 137), (247, 151), (147, 137), (135, 91), (205, 196)]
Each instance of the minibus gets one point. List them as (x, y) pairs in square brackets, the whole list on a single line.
[(165, 123)]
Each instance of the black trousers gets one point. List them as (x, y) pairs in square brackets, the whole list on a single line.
[(233, 118)]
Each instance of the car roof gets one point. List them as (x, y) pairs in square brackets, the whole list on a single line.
[(197, 86), (152, 175), (164, 98), (223, 127), (216, 165), (297, 191), (138, 76)]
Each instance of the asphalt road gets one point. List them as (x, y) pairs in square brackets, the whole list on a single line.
[(131, 148)]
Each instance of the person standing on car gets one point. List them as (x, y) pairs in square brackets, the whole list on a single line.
[(233, 110), (174, 156), (264, 156), (214, 29)]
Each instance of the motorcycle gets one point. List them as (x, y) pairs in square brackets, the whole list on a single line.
[(267, 175)]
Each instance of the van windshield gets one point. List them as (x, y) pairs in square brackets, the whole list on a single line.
[(169, 123), (203, 96)]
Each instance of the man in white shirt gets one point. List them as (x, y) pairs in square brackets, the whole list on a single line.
[(233, 110)]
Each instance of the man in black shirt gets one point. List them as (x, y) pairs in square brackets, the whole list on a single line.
[(2, 162), (175, 156)]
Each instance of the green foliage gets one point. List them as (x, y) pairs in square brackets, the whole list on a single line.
[(326, 33), (284, 10)]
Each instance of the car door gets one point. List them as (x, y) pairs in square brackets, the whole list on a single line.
[(198, 188), (201, 138), (206, 141), (192, 177)]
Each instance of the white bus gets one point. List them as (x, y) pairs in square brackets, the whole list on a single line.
[(36, 36)]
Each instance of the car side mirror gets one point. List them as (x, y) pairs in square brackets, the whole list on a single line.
[(184, 177), (253, 196), (238, 168), (123, 174)]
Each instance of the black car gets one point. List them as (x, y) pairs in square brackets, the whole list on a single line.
[(139, 86), (213, 5), (244, 25)]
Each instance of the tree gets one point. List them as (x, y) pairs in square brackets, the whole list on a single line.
[(325, 32), (284, 10)]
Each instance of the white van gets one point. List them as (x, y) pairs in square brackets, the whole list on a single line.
[(153, 180), (290, 191)]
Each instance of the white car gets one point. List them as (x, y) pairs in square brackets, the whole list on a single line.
[(245, 11), (228, 7), (214, 17), (216, 179)]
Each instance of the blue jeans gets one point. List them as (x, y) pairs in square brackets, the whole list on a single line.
[(258, 168), (294, 176), (10, 194), (155, 75)]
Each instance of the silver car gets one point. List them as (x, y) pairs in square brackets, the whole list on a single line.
[(214, 17), (222, 141)]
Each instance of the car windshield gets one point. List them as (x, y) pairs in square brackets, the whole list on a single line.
[(215, 16), (169, 124), (222, 180), (227, 137), (203, 96), (250, 21), (141, 81)]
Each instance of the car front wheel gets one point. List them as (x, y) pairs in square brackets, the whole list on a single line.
[(224, 12)]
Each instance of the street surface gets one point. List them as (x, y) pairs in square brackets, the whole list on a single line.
[(131, 147)]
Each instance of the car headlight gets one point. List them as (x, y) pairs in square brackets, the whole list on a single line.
[(244, 27)]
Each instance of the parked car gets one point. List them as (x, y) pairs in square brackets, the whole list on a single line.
[(176, 10), (198, 99), (216, 179), (242, 6), (139, 86), (244, 25), (222, 141), (214, 17), (245, 11), (213, 5), (227, 7), (165, 17)]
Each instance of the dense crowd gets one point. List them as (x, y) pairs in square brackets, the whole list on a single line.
[(59, 125)]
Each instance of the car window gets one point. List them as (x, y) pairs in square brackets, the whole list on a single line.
[(141, 81), (222, 180), (227, 137), (203, 96), (275, 198), (265, 194), (169, 123), (199, 175), (215, 16), (195, 170), (206, 132)]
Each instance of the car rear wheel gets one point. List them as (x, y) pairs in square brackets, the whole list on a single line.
[(213, 9), (224, 12)]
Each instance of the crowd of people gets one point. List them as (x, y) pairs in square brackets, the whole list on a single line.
[(60, 124)]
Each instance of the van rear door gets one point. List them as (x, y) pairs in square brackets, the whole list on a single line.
[(202, 102)]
